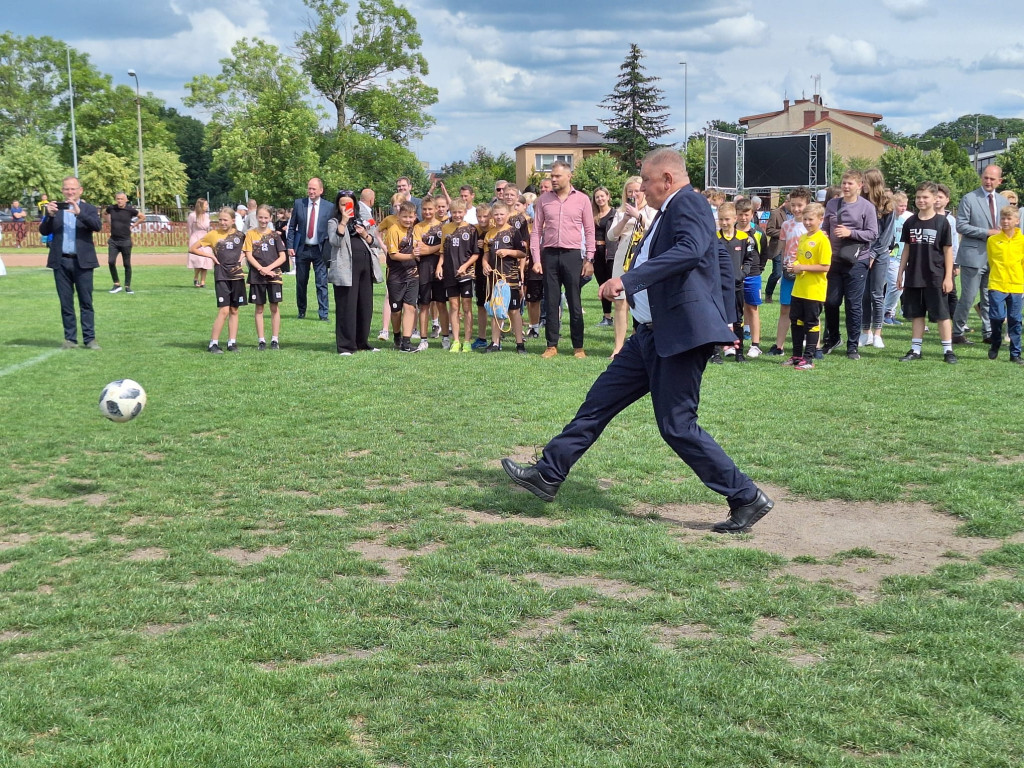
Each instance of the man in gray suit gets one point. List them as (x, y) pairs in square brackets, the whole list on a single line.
[(977, 218)]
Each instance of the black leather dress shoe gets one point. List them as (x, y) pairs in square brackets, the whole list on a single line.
[(529, 478), (743, 518)]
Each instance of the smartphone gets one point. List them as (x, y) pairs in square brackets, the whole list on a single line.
[(63, 205), (350, 208), (631, 200)]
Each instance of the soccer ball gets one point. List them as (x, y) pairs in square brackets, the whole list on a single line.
[(122, 400)]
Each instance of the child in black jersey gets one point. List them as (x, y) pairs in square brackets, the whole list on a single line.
[(506, 256), (403, 275), (265, 251), (457, 271), (226, 243)]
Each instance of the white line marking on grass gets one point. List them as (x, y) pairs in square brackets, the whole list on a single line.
[(38, 359)]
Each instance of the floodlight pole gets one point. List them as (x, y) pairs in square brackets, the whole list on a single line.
[(142, 173), (686, 122)]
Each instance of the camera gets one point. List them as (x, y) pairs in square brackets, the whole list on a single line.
[(63, 205), (354, 222)]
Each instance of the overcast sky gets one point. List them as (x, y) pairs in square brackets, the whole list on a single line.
[(511, 74)]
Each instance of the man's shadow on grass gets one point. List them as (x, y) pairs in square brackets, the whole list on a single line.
[(44, 343)]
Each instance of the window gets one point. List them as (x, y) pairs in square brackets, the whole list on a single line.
[(543, 163)]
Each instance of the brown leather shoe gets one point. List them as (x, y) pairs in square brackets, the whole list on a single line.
[(579, 354), (549, 352)]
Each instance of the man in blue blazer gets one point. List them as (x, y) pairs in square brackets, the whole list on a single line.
[(72, 257), (307, 242), (977, 219), (681, 292)]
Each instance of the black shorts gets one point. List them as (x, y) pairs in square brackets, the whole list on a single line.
[(403, 290), (462, 289), (534, 290), (481, 287), (515, 300), (261, 293), (918, 301), (432, 291), (230, 293), (807, 311)]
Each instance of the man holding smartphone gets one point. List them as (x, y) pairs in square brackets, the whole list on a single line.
[(72, 258)]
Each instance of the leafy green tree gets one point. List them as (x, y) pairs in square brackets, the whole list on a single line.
[(165, 178), (905, 168), (263, 133), (600, 170), (352, 160), (638, 115), (109, 121), (104, 175), (28, 166), (373, 71), (965, 128), (695, 157), (894, 137), (480, 172), (1012, 163)]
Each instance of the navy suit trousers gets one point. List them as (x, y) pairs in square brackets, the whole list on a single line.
[(306, 257), (674, 385), (71, 279)]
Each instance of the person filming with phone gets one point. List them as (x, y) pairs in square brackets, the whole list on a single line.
[(72, 258)]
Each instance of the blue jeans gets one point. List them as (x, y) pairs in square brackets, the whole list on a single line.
[(1005, 306), (72, 279), (306, 257), (892, 296), (874, 294), (845, 285)]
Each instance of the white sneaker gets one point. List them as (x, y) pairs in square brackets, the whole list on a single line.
[(877, 343), (422, 346), (754, 351), (115, 289), (415, 336), (446, 342), (383, 335), (865, 339), (729, 351)]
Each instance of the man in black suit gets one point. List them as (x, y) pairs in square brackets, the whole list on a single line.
[(307, 242), (681, 292), (72, 257)]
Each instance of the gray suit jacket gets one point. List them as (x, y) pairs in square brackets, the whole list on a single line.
[(973, 221)]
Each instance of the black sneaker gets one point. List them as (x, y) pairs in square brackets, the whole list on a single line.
[(818, 354), (716, 358), (532, 334), (739, 356), (274, 345), (232, 347), (775, 351), (491, 348), (128, 290), (408, 348), (215, 349), (852, 354), (1016, 360), (828, 346), (521, 349), (911, 356), (950, 357), (262, 347), (993, 352)]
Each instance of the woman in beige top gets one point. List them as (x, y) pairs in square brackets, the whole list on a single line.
[(632, 219)]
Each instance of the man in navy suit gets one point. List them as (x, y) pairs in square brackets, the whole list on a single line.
[(681, 292), (72, 257), (307, 242)]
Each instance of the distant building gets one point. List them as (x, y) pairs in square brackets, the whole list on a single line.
[(853, 133), (571, 146), (987, 151)]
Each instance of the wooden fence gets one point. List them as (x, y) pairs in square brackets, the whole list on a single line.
[(178, 236)]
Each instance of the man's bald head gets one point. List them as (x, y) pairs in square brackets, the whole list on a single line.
[(662, 173)]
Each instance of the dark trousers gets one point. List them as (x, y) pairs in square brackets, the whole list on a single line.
[(845, 285), (674, 385), (563, 268), (124, 247), (353, 307), (311, 256), (774, 277), (603, 273), (873, 304), (72, 279)]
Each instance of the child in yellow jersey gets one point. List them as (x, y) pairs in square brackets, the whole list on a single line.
[(1006, 283), (226, 244), (483, 226), (506, 255), (403, 276), (456, 272), (812, 260), (427, 250), (264, 250)]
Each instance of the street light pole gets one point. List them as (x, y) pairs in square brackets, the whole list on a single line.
[(142, 172), (686, 122), (71, 95)]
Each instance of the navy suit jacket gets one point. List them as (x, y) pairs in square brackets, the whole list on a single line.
[(688, 278), (88, 221), (300, 220)]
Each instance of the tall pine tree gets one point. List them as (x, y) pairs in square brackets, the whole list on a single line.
[(638, 116)]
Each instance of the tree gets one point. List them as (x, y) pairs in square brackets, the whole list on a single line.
[(360, 74), (109, 121), (893, 137), (639, 117), (263, 132), (965, 128), (600, 170), (696, 159), (165, 177), (480, 172), (103, 175), (352, 160), (904, 169), (29, 166), (1012, 163)]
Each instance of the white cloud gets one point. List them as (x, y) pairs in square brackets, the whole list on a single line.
[(721, 36), (849, 56), (1010, 57), (907, 9)]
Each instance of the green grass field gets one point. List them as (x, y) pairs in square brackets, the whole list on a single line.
[(295, 559)]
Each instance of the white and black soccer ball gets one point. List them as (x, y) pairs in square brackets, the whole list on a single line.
[(122, 400)]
